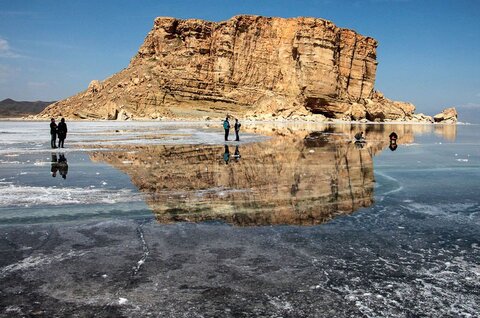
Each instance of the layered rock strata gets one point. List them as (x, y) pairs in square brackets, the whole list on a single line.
[(247, 66)]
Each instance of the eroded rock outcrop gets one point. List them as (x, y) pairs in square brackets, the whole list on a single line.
[(447, 116), (247, 66)]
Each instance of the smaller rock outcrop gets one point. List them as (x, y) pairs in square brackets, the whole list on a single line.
[(94, 87), (421, 117), (380, 108), (447, 116)]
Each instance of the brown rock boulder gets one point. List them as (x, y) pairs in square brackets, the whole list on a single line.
[(94, 87), (380, 108), (357, 111), (447, 116), (422, 118)]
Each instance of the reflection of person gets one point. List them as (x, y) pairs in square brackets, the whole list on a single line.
[(54, 165), (226, 126), (226, 155), (393, 141), (359, 144), (62, 132), (53, 133), (236, 154), (393, 136), (237, 129), (62, 166), (359, 136)]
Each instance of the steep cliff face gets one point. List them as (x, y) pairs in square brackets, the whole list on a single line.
[(248, 65)]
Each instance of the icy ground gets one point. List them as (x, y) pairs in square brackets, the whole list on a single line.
[(88, 245)]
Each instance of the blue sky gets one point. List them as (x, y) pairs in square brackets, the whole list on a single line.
[(428, 50)]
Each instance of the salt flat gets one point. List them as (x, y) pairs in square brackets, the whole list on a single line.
[(165, 219)]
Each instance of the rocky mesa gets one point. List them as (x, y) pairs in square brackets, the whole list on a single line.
[(249, 67)]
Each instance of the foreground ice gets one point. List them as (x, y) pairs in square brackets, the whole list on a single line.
[(165, 220)]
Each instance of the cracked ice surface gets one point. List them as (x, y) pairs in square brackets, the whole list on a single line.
[(65, 250)]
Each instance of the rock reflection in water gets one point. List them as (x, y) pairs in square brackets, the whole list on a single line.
[(297, 177)]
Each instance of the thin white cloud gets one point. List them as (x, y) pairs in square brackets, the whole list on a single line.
[(16, 13), (4, 73), (37, 84), (8, 73), (470, 105), (6, 51), (51, 44), (387, 1)]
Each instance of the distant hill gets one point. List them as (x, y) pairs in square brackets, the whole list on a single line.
[(12, 108)]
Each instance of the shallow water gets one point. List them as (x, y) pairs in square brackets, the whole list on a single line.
[(295, 220)]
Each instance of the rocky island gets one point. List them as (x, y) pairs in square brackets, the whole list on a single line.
[(251, 67)]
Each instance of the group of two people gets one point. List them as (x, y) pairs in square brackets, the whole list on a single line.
[(236, 126), (59, 130)]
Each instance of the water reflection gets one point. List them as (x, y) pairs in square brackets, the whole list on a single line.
[(237, 155), (296, 177), (226, 155), (393, 141), (59, 165)]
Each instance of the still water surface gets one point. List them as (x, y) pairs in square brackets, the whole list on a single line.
[(293, 220)]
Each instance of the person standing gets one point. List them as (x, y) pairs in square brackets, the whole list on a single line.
[(237, 129), (226, 126), (62, 132), (53, 133)]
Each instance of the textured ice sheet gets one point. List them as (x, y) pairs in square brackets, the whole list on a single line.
[(32, 137), (26, 196), (414, 253), (341, 269)]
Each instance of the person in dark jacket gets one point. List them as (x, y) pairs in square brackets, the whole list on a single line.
[(226, 126), (62, 132), (237, 129), (53, 133)]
